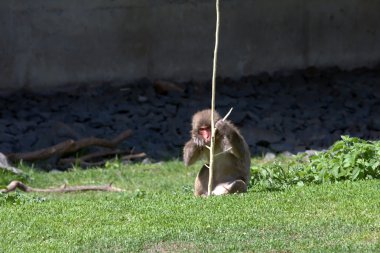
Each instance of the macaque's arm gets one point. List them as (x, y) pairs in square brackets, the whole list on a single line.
[(227, 129), (191, 153)]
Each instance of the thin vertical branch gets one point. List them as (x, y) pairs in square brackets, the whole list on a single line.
[(212, 145)]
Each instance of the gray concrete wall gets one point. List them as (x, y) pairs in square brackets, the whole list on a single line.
[(56, 42)]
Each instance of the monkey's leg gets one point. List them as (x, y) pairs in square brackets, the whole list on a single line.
[(201, 182), (236, 186)]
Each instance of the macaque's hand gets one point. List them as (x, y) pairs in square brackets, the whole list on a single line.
[(222, 127), (198, 140)]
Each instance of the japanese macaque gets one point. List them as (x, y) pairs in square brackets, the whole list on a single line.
[(232, 161)]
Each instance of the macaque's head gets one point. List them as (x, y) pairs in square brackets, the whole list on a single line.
[(202, 124)]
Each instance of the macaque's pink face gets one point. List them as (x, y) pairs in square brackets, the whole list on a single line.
[(205, 132)]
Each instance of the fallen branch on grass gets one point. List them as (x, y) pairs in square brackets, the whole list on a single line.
[(63, 189), (69, 146), (84, 160)]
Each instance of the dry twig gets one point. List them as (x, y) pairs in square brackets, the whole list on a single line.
[(69, 146), (84, 160), (212, 146), (63, 189)]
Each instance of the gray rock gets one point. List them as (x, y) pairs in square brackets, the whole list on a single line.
[(237, 116), (7, 147), (8, 138), (55, 171), (282, 146), (5, 165), (158, 102), (147, 161), (374, 123), (62, 130), (311, 152), (142, 99), (287, 154), (28, 140), (170, 109), (271, 122), (226, 101), (351, 104), (254, 135), (308, 153), (269, 157), (311, 134), (288, 111), (12, 129)]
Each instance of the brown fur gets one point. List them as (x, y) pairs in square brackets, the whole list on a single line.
[(232, 166)]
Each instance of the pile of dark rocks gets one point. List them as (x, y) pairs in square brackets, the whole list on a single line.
[(286, 111)]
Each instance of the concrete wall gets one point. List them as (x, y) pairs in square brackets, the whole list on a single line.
[(56, 42)]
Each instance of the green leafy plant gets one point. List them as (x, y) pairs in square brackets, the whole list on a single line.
[(279, 174), (114, 164), (350, 159)]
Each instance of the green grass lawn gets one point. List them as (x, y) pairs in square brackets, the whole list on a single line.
[(158, 213)]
